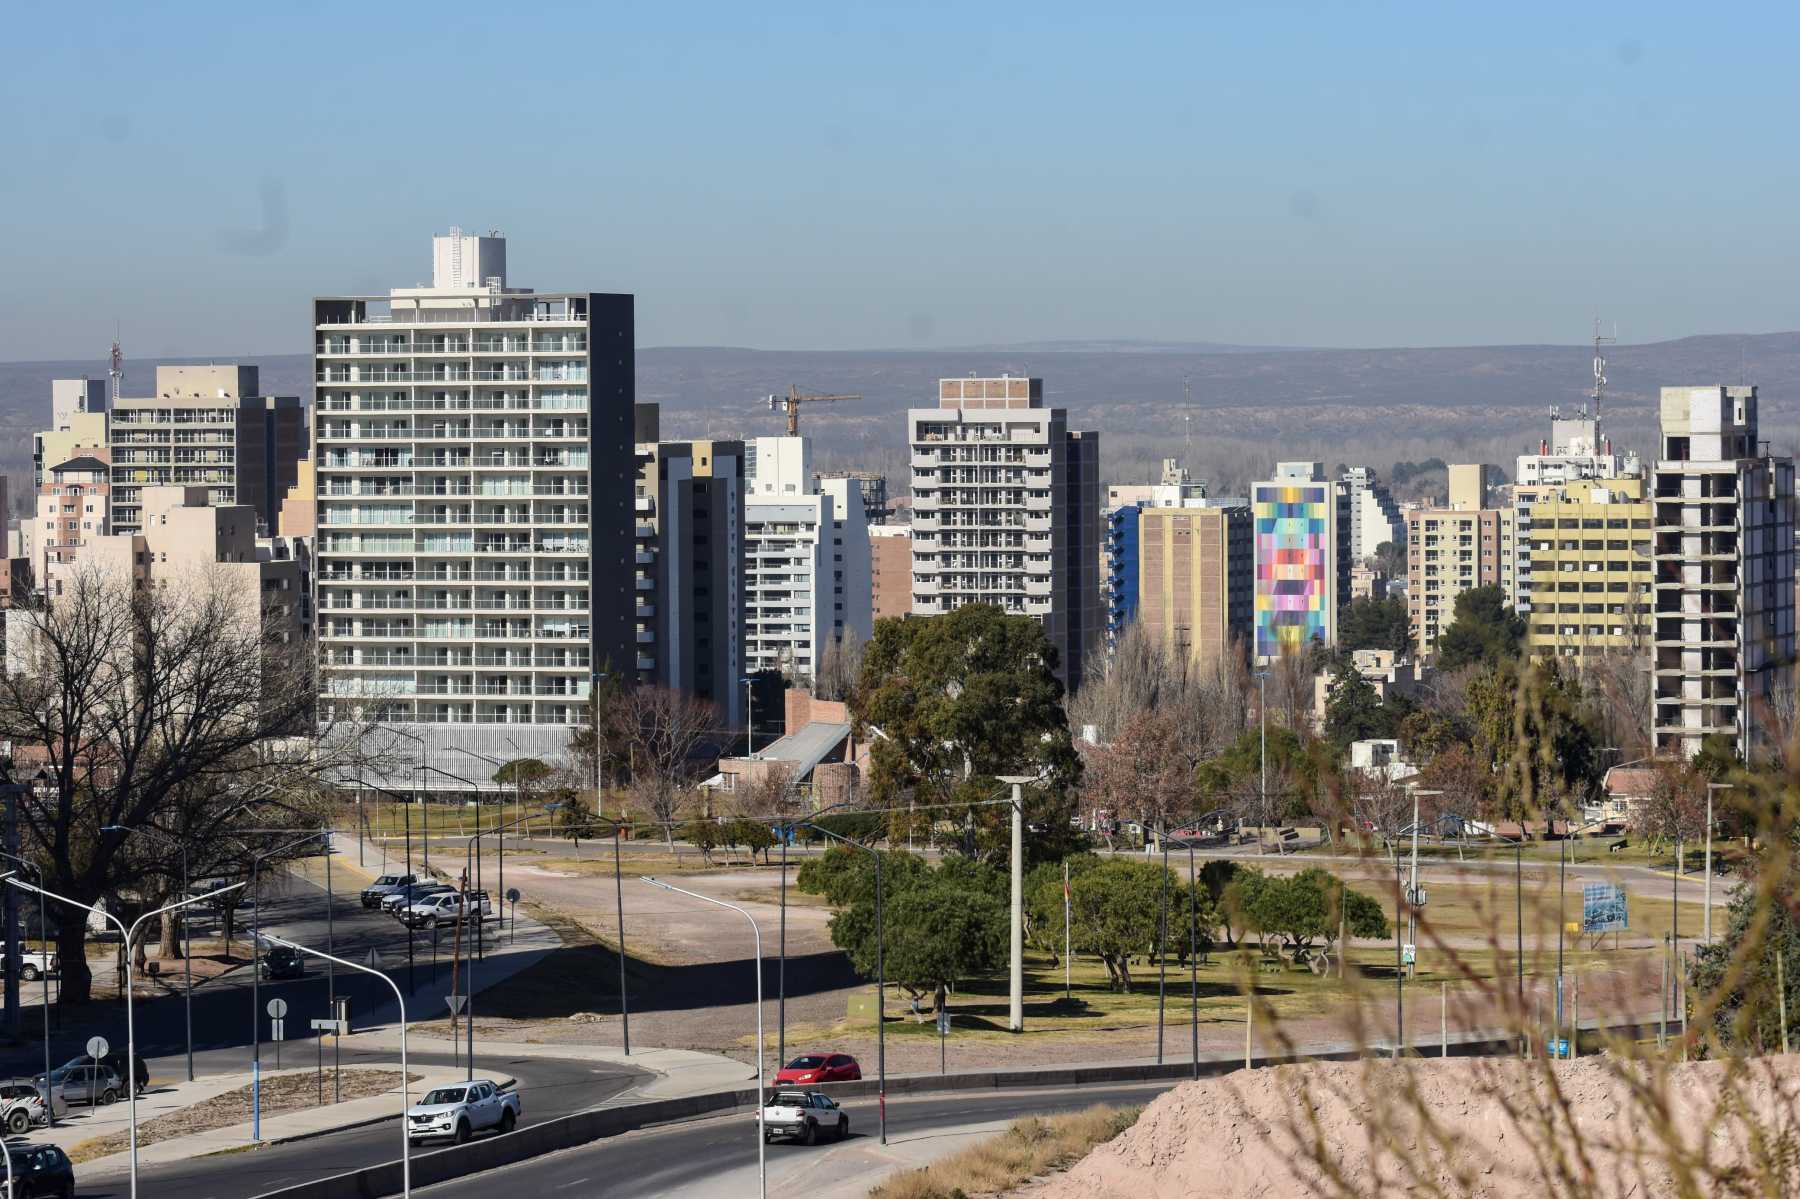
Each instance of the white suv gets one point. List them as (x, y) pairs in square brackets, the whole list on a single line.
[(461, 1109)]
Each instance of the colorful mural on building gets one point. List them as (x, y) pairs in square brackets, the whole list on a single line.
[(1293, 566)]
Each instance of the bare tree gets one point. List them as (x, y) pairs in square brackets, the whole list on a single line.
[(177, 709), (661, 729), (1144, 674), (840, 666), (766, 794), (1618, 684)]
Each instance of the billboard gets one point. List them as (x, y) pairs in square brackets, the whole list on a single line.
[(1603, 908)]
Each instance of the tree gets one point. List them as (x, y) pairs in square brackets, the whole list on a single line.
[(1376, 623), (846, 876), (575, 818), (1115, 909), (1145, 774), (959, 700), (1353, 708), (186, 709), (602, 743), (526, 776), (1307, 907), (840, 666), (1043, 888), (1530, 725), (939, 932), (754, 835), (1390, 560), (1736, 977), (1144, 673), (1675, 812), (1484, 631), (703, 835), (661, 729)]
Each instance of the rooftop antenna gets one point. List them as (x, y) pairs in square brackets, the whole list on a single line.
[(1187, 415), (117, 362), (1600, 370)]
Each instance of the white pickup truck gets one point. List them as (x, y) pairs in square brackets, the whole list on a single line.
[(34, 964), (463, 1109), (448, 907), (805, 1116)]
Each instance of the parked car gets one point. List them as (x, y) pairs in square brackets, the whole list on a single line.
[(448, 907), (115, 1061), (281, 962), (86, 1082), (33, 964), (396, 902), (22, 1105), (459, 1111), (819, 1067), (384, 886), (805, 1116), (42, 1171)]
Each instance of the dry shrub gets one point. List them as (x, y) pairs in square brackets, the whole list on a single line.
[(1027, 1149)]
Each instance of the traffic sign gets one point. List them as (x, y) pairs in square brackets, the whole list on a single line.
[(277, 1007), (1408, 954), (456, 1003), (512, 895), (279, 1031), (337, 1027), (1559, 1048), (97, 1047)]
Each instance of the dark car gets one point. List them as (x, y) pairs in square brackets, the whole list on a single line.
[(281, 962), (40, 1171)]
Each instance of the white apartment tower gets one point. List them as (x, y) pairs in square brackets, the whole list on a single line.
[(807, 565), (1006, 511), (475, 472), (1374, 517), (1723, 529)]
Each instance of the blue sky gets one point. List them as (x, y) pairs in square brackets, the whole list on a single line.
[(847, 176)]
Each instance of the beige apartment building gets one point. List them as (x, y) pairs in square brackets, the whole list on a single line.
[(206, 426), (72, 509), (1448, 551), (1197, 579), (1591, 589)]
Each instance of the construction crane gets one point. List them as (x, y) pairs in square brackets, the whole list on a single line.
[(792, 401)]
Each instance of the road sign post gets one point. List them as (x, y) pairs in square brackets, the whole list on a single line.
[(97, 1047), (943, 1023), (277, 1009)]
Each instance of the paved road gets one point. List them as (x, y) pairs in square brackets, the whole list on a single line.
[(718, 1157), (222, 1007), (550, 1088)]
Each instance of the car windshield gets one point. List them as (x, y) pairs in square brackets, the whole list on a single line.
[(445, 1095), (806, 1063), (387, 880)]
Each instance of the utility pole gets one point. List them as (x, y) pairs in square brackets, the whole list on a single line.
[(1706, 909), (1016, 1018)]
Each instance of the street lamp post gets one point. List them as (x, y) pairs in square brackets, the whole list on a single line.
[(127, 934), (1706, 909), (187, 952), (749, 717), (256, 1012), (473, 849), (762, 1173), (1262, 718), (405, 1085)]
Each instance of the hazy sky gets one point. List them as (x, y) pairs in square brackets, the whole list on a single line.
[(848, 175)]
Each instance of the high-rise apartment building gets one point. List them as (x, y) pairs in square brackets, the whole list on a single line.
[(1574, 451), (475, 470), (1374, 516), (1006, 511), (1590, 569), (890, 571), (1724, 573), (206, 426), (807, 564), (73, 508), (1302, 532), (1121, 568), (689, 584), (1450, 550), (1197, 579)]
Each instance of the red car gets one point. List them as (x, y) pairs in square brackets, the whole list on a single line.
[(814, 1068)]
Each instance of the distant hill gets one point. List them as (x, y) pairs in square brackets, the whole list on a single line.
[(1249, 407)]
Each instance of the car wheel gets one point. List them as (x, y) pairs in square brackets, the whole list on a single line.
[(810, 1135), (108, 1097), (30, 974), (462, 1132), (18, 1122), (508, 1121), (843, 1127)]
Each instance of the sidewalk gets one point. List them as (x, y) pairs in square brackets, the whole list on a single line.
[(675, 1073), (288, 1126)]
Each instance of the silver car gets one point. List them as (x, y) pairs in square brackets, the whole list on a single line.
[(90, 1084), (22, 1106)]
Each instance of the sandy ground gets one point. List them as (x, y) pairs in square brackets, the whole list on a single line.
[(1480, 1128)]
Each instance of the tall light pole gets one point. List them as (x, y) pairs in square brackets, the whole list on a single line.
[(599, 748), (1262, 717), (405, 1086), (472, 848), (1706, 910), (762, 1173), (127, 935), (1415, 897), (749, 717), (187, 952)]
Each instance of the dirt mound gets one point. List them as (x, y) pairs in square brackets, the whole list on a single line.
[(1481, 1128)]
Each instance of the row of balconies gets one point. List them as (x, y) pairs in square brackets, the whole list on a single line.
[(498, 400), (361, 347), (559, 372)]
